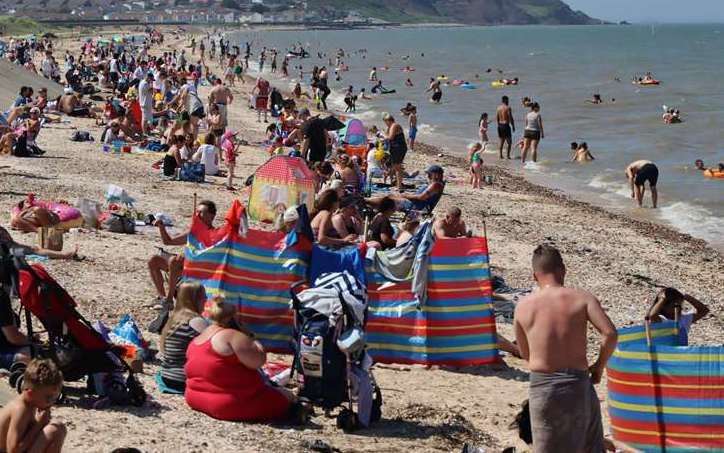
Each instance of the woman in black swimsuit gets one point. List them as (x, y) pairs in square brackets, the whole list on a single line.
[(397, 146)]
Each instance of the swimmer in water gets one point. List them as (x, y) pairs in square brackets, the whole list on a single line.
[(581, 152), (436, 90), (373, 74), (408, 83), (699, 165), (596, 99)]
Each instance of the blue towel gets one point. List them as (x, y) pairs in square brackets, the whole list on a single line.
[(163, 388), (347, 259)]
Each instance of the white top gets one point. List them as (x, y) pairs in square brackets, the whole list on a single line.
[(139, 73), (209, 156), (113, 67), (145, 95)]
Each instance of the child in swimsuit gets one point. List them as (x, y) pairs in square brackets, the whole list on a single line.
[(483, 126), (476, 164)]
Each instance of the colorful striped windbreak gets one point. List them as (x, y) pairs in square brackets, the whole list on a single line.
[(455, 327), (664, 397)]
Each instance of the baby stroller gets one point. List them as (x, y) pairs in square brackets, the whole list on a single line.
[(73, 344), (329, 349)]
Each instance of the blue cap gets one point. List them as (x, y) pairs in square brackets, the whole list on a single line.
[(434, 169)]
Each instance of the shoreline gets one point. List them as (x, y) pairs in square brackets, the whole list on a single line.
[(519, 184)]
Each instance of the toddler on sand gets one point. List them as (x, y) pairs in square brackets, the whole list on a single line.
[(25, 422)]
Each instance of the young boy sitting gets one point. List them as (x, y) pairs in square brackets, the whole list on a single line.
[(25, 422)]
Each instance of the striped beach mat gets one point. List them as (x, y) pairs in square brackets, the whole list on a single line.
[(253, 271), (664, 397), (456, 325)]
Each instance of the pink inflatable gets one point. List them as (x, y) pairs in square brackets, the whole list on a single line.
[(69, 216)]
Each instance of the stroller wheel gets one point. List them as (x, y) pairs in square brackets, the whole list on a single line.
[(17, 366), (347, 421), (376, 406), (14, 376), (19, 383)]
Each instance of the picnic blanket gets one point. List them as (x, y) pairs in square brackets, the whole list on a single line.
[(665, 397)]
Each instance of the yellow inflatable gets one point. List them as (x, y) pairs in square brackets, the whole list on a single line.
[(497, 84)]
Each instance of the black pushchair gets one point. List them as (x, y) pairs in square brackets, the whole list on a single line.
[(329, 351), (72, 343)]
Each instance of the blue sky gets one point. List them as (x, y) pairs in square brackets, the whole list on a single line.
[(652, 10)]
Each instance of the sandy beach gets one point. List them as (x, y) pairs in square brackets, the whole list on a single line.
[(616, 258)]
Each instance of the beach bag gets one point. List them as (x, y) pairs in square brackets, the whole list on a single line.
[(119, 223), (192, 172), (51, 238), (321, 363), (20, 149), (83, 136)]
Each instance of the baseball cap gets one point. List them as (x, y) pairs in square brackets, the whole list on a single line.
[(434, 169)]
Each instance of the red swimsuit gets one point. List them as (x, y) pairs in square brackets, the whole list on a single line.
[(224, 388)]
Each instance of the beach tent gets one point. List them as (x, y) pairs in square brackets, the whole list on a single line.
[(279, 183), (354, 132), (663, 397)]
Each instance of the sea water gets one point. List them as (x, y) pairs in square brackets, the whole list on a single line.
[(559, 67)]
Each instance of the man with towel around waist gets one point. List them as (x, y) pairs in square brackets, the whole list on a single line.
[(551, 331)]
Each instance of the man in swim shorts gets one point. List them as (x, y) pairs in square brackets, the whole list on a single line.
[(551, 328), (638, 173), (506, 126)]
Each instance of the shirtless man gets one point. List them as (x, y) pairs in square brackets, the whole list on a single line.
[(436, 91), (551, 332), (638, 173), (71, 105), (450, 226), (506, 126), (221, 96)]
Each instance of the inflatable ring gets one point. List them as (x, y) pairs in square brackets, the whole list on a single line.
[(441, 78), (497, 84)]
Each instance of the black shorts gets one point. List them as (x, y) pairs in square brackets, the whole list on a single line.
[(436, 96), (505, 132), (648, 172), (531, 135), (199, 113), (397, 156)]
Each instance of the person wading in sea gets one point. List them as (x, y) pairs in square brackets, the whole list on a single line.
[(506, 126), (551, 332), (638, 173)]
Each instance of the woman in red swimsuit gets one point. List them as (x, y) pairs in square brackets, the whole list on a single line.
[(222, 374)]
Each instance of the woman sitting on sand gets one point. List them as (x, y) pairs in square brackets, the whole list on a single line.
[(324, 231), (173, 159), (346, 221), (347, 172), (184, 324), (222, 373)]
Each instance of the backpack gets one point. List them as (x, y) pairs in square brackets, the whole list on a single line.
[(20, 149), (119, 223)]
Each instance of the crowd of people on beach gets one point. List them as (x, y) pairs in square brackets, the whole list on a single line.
[(152, 99)]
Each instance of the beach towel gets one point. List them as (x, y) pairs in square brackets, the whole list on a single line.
[(565, 414), (346, 259)]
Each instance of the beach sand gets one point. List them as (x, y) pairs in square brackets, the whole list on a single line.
[(616, 258)]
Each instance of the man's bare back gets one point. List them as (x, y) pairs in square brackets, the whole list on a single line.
[(503, 114), (220, 95), (553, 322)]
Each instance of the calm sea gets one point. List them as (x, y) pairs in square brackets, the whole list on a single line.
[(559, 67)]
